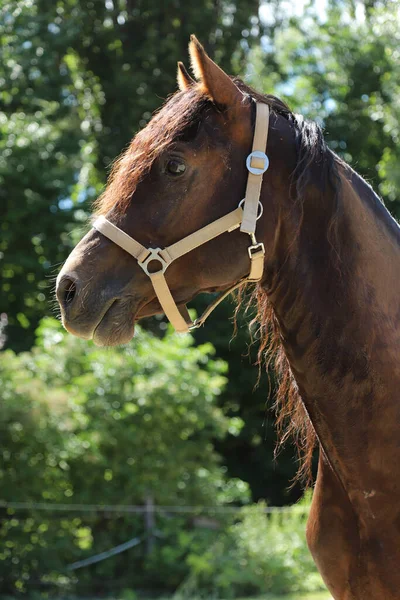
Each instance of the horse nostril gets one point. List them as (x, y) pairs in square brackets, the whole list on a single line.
[(70, 292), (66, 292)]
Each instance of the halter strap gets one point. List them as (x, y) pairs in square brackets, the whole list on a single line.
[(246, 218), (257, 163), (165, 257)]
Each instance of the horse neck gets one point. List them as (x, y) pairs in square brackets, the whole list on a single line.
[(336, 298)]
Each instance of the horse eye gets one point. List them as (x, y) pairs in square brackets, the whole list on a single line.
[(175, 167)]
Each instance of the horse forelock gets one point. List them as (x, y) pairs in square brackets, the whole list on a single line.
[(178, 114)]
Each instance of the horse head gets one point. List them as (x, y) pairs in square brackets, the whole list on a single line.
[(183, 172)]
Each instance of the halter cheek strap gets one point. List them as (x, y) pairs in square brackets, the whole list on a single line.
[(245, 218)]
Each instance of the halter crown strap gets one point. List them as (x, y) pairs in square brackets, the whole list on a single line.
[(246, 218), (257, 163)]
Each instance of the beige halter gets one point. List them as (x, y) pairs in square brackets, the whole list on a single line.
[(257, 163)]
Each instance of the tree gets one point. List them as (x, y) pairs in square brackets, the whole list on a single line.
[(45, 158), (349, 81)]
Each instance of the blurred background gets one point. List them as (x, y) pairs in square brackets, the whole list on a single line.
[(148, 470)]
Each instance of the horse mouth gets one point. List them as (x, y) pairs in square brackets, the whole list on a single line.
[(116, 326)]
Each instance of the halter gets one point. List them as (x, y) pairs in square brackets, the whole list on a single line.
[(244, 216)]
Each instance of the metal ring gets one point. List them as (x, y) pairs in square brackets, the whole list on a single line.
[(154, 255), (257, 170), (260, 208)]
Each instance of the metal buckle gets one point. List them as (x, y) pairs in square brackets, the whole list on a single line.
[(260, 208), (257, 170), (254, 248), (154, 255)]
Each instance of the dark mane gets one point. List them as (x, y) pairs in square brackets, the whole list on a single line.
[(310, 146), (314, 159), (181, 112)]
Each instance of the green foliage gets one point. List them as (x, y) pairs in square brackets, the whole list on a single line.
[(259, 554), (349, 81), (84, 425), (48, 112)]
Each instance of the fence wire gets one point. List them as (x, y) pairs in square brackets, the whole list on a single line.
[(141, 509)]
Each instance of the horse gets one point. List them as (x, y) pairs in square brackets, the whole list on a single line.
[(323, 255)]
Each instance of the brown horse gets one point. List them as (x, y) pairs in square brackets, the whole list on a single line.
[(329, 298)]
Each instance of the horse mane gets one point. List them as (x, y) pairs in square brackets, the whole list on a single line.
[(292, 420), (177, 118)]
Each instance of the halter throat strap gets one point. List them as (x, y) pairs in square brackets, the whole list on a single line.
[(246, 218)]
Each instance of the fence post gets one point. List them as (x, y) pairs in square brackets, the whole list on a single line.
[(149, 520)]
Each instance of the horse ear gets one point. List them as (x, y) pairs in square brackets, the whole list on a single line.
[(215, 82), (183, 77)]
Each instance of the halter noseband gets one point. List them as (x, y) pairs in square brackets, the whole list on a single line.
[(246, 218)]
